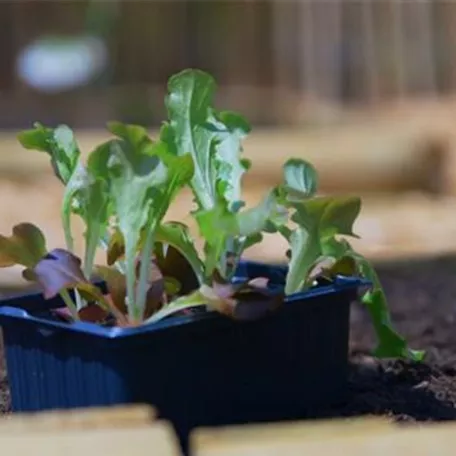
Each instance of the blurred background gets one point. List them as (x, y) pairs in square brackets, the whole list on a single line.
[(364, 89), (279, 61)]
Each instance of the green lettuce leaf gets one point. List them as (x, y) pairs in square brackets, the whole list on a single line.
[(89, 198), (301, 179), (141, 186), (58, 142), (212, 138), (318, 220), (228, 234), (84, 195), (390, 344)]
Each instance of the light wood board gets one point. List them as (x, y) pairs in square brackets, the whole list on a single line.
[(129, 430), (128, 416), (336, 440)]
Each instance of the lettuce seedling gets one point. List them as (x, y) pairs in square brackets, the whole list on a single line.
[(316, 249), (153, 269)]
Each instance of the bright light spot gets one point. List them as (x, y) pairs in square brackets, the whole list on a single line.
[(56, 64)]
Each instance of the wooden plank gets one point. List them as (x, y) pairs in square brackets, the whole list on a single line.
[(418, 55), (128, 416), (320, 61), (228, 440), (203, 437), (286, 58), (370, 50), (445, 44), (158, 439), (417, 440)]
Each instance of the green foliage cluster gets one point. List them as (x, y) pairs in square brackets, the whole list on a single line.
[(153, 270)]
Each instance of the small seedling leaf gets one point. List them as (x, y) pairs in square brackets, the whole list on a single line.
[(26, 246)]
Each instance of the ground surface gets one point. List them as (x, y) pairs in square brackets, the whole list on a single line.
[(423, 301), (422, 298)]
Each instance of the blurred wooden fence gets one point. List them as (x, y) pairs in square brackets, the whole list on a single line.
[(279, 61)]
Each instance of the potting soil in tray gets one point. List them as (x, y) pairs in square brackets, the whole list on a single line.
[(422, 297)]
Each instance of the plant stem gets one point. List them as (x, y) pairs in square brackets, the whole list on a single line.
[(69, 241), (130, 249), (90, 252), (144, 270), (70, 304), (70, 246)]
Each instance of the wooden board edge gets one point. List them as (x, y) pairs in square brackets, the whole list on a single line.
[(127, 416)]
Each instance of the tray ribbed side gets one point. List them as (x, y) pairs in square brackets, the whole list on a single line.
[(48, 371)]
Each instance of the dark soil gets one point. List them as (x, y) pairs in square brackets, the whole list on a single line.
[(422, 297)]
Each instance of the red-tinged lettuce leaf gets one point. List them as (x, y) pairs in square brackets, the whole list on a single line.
[(26, 246), (257, 304), (250, 300), (116, 284), (60, 270), (93, 313), (256, 300), (178, 249), (172, 263), (158, 285), (64, 313)]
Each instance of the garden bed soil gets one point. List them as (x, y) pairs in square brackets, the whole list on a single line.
[(422, 295)]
